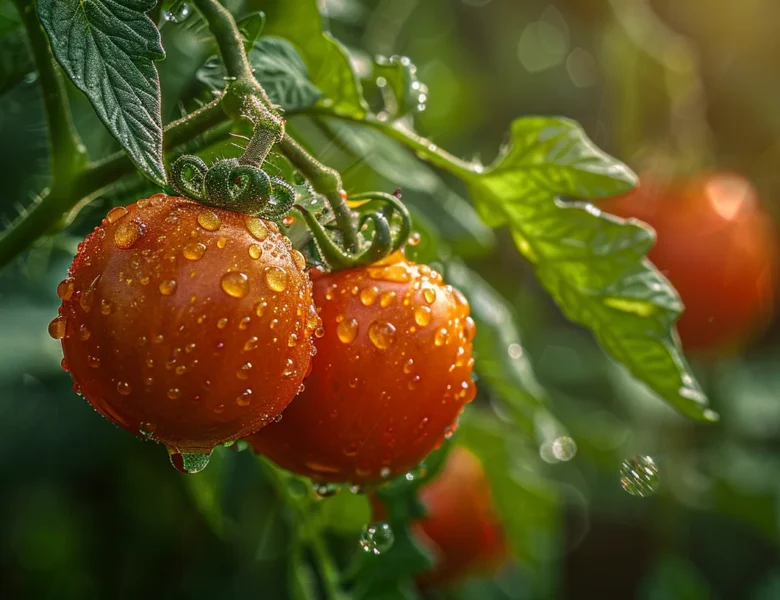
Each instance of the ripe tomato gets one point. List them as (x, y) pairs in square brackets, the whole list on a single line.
[(186, 324), (717, 248), (391, 376), (461, 528)]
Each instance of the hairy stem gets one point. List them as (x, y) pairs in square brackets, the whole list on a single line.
[(67, 152)]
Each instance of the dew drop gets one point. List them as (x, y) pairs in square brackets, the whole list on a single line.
[(116, 213), (235, 284), (57, 327), (260, 308), (105, 307), (124, 388), (564, 448), (174, 393), (376, 538), (386, 299), (289, 369), (189, 462), (639, 476), (93, 361), (221, 242), (250, 344), (429, 294), (84, 333), (347, 330), (168, 287), (65, 289), (369, 295), (222, 323), (276, 279), (244, 323), (255, 251), (414, 239), (422, 315), (243, 372), (127, 234), (409, 366), (245, 398), (299, 260), (470, 329), (194, 251), (325, 490), (292, 341), (319, 332), (209, 220), (441, 337), (382, 334), (88, 296), (257, 228)]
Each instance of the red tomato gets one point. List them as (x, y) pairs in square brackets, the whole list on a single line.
[(717, 248), (186, 324), (391, 376), (461, 528)]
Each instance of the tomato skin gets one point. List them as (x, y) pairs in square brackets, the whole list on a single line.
[(461, 528), (718, 249), (160, 319), (391, 375)]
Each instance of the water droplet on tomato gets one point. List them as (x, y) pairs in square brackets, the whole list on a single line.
[(127, 234), (325, 490), (369, 295), (235, 284), (65, 289), (222, 323), (93, 361), (292, 341), (245, 398), (116, 213), (250, 344), (386, 298), (174, 393), (298, 259), (221, 242), (441, 337), (382, 334), (105, 307), (189, 462), (347, 330), (257, 228), (124, 388), (470, 329), (276, 279), (209, 220), (194, 251), (422, 315), (57, 327), (244, 323), (88, 295), (168, 287), (430, 295), (84, 333), (414, 239), (255, 251)]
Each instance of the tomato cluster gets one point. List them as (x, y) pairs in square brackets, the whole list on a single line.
[(717, 247), (195, 326)]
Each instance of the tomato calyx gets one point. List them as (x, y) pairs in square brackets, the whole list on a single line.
[(381, 214)]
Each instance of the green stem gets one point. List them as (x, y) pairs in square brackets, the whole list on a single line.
[(67, 152)]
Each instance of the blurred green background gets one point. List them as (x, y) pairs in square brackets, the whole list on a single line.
[(88, 511)]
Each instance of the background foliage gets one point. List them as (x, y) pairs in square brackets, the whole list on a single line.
[(92, 512)]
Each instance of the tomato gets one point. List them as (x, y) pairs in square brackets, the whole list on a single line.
[(461, 528), (391, 376), (718, 249), (186, 324)]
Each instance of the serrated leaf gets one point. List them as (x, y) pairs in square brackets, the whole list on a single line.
[(278, 68), (592, 264), (328, 62), (108, 49)]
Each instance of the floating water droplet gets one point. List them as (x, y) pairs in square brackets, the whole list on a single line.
[(377, 538), (209, 220), (639, 476), (347, 330), (235, 284), (127, 234), (276, 279), (382, 334), (257, 228), (189, 462), (194, 251), (168, 287), (65, 289), (564, 448), (57, 327), (116, 213)]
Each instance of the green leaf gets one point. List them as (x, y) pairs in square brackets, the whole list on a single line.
[(331, 71), (592, 264), (108, 49), (278, 68), (396, 80), (251, 27)]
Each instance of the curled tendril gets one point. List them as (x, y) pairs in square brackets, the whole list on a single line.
[(379, 211), (230, 185)]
